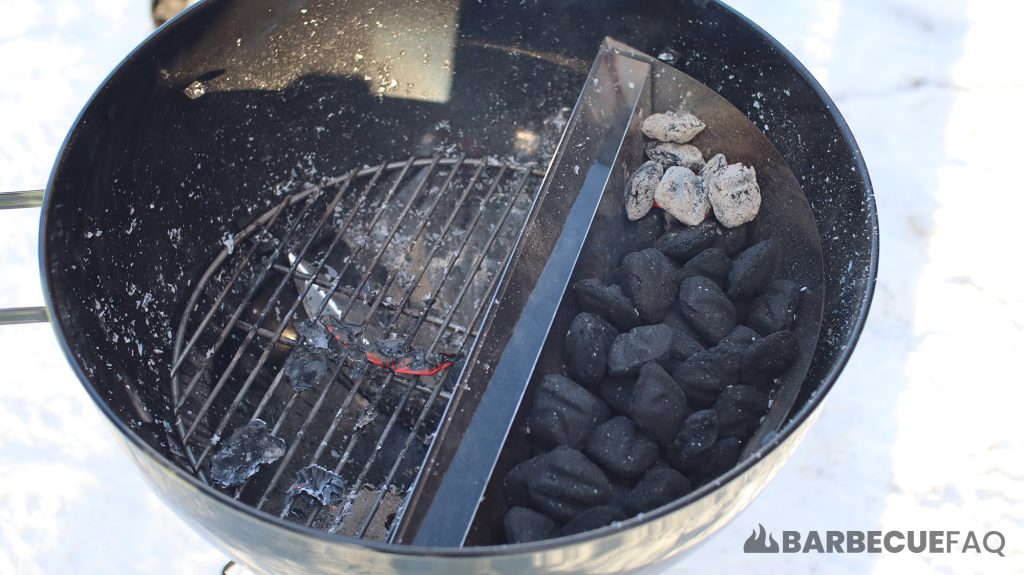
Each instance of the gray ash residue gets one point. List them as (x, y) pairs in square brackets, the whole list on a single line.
[(307, 366), (241, 456), (324, 485)]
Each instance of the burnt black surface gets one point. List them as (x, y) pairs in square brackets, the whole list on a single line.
[(731, 240), (740, 338), (306, 366), (705, 374), (617, 393), (324, 485), (592, 518)]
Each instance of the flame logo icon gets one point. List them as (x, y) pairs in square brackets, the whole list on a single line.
[(761, 542)]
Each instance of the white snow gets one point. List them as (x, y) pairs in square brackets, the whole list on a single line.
[(922, 431)]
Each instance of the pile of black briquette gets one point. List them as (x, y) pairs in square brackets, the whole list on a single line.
[(669, 367)]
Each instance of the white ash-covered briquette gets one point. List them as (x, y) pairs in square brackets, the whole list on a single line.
[(734, 194), (713, 166), (640, 189), (672, 126), (673, 154), (681, 193)]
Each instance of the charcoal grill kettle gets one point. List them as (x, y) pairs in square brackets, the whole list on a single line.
[(188, 136)]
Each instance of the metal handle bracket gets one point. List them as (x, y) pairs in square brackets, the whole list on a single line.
[(11, 201)]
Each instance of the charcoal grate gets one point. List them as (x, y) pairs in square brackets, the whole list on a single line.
[(411, 249)]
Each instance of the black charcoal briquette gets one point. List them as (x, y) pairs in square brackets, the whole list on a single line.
[(705, 307), (523, 525), (647, 277), (683, 345), (711, 263), (705, 374), (619, 447), (593, 518), (683, 244), (517, 480), (768, 357), (564, 413), (658, 405), (739, 339), (739, 409), (565, 483), (674, 319), (731, 240), (638, 346), (658, 487), (644, 232), (617, 392), (752, 269), (775, 309), (722, 456), (586, 348), (608, 302), (695, 438)]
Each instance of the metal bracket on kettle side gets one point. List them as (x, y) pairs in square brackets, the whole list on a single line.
[(12, 201), (444, 501)]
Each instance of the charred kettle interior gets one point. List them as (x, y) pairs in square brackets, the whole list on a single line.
[(323, 281)]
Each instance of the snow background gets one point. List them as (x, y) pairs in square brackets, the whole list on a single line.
[(923, 431)]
